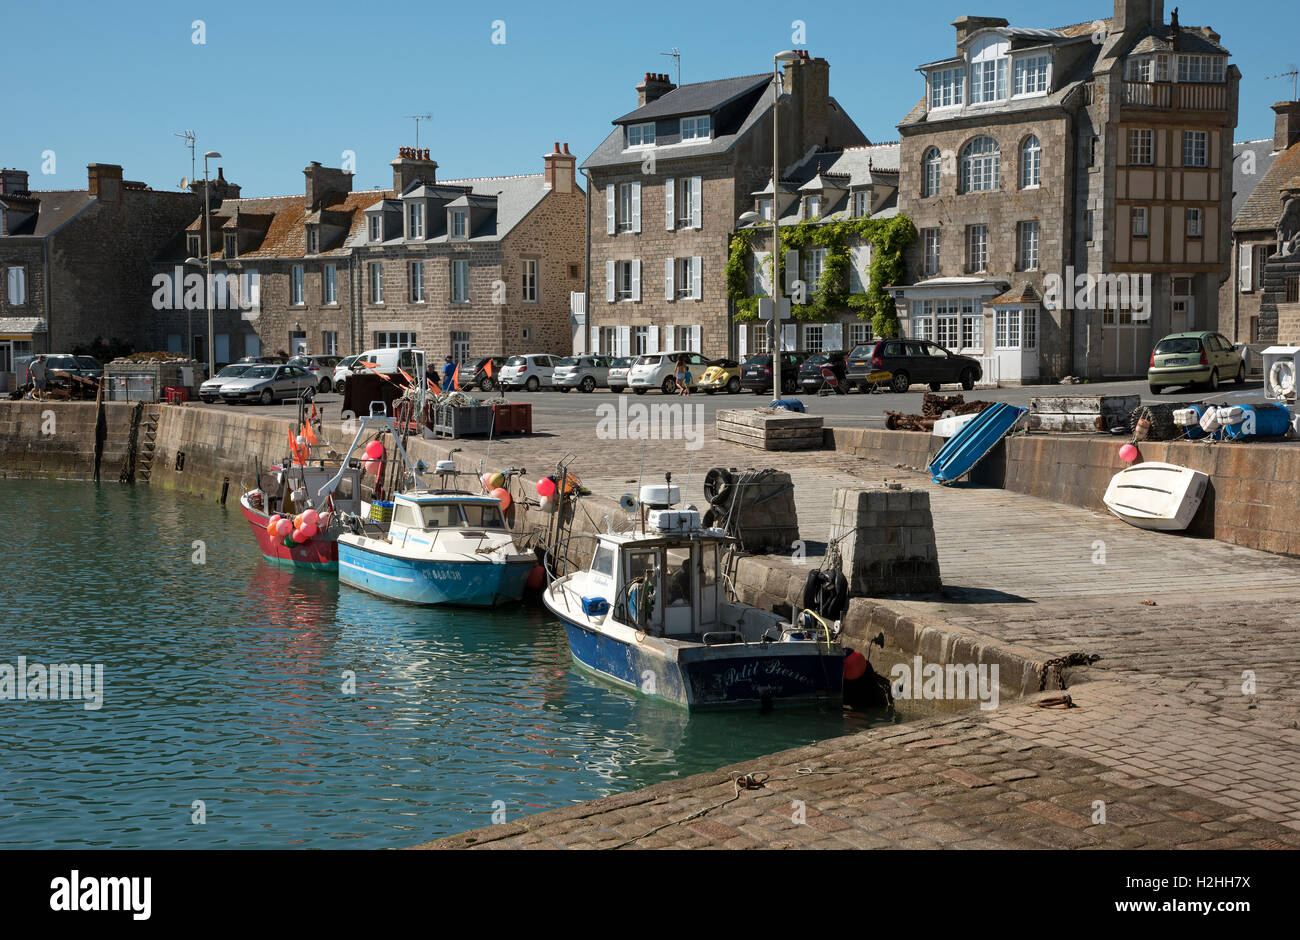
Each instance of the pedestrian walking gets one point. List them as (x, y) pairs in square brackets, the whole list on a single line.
[(38, 375), (683, 375)]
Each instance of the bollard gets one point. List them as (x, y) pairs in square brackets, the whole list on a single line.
[(225, 488)]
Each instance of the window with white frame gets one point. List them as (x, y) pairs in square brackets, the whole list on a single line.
[(530, 281), (459, 223), (765, 208), (459, 346), (696, 128), (641, 135), (859, 333), (946, 87), (1015, 327), (680, 339), (977, 248), (415, 220), (415, 279), (16, 285), (1194, 223), (1147, 68), (931, 168), (861, 205), (684, 278), (1141, 150), (392, 339), (623, 219), (1031, 163), (972, 325), (329, 343), (1027, 245), (313, 239), (623, 280), (609, 341), (1030, 75), (988, 70), (1029, 328), (684, 200), (813, 207), (1201, 68), (640, 340), (375, 270), (947, 323), (376, 224), (813, 337), (922, 319), (329, 291), (760, 344), (460, 282), (1140, 222), (1195, 148), (296, 287), (930, 243), (811, 262), (980, 160)]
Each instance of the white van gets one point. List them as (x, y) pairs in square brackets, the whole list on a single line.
[(389, 359)]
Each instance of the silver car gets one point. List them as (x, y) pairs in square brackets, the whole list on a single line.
[(210, 390), (584, 372), (268, 383), (618, 370)]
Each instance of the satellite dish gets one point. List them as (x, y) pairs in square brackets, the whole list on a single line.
[(628, 502), (185, 182)]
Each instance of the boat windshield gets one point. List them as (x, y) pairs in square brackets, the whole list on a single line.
[(441, 515), (456, 515), (483, 516)]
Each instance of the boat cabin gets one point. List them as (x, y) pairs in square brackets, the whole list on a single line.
[(424, 519), (665, 586), (287, 489)]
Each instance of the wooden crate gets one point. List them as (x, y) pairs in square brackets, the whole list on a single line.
[(1086, 413), (770, 430)]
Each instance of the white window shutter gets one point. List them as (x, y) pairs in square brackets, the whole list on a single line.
[(624, 340), (669, 289), (609, 281), (652, 339), (695, 339), (791, 270), (833, 337), (636, 207), (670, 191), (742, 341), (697, 267), (609, 209), (697, 197), (595, 341), (636, 280), (670, 339), (1246, 254)]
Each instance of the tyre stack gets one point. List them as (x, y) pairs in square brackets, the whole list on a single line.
[(755, 507)]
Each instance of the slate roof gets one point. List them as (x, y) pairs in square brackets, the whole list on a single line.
[(1026, 293), (852, 167), (696, 98), (54, 207), (1191, 41), (1243, 184), (1263, 207)]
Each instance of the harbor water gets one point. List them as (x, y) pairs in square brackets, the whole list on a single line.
[(245, 705)]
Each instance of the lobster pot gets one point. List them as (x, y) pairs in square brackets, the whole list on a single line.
[(1161, 418), (381, 511), (756, 507)]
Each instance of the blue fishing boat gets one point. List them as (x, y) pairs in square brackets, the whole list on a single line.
[(652, 614), (968, 446)]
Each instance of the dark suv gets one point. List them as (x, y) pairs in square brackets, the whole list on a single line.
[(810, 373), (912, 361), (756, 374)]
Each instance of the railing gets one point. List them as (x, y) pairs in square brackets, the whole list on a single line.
[(578, 303), (1190, 96), (989, 368)]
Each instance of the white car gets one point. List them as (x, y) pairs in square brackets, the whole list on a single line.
[(210, 390), (618, 370), (585, 372), (657, 371), (530, 372), (342, 371)]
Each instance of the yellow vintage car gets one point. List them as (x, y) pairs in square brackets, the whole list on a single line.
[(720, 375)]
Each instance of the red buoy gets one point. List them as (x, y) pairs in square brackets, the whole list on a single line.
[(855, 666), (536, 578)]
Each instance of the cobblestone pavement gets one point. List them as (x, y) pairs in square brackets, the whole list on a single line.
[(1169, 729)]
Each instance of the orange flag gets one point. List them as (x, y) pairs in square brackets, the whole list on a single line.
[(488, 368), (455, 378), (309, 435)]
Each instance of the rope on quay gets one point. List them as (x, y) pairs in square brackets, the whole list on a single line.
[(751, 781)]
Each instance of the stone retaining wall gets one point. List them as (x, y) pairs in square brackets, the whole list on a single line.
[(28, 451)]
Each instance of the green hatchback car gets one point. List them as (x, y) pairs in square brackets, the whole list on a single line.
[(1194, 359)]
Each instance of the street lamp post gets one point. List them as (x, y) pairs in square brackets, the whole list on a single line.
[(788, 56), (207, 279)]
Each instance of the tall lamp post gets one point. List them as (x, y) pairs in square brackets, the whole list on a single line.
[(788, 56)]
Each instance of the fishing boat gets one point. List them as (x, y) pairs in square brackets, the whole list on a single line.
[(1155, 495), (651, 613), (287, 491), (969, 445)]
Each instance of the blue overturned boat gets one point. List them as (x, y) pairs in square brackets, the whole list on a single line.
[(969, 446), (652, 614)]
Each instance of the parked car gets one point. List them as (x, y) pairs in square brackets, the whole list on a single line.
[(210, 390), (1200, 358), (530, 372), (721, 375), (756, 374), (585, 372), (617, 376), (266, 383), (480, 376), (264, 360), (90, 367), (912, 361), (810, 373), (657, 370), (321, 368), (342, 369)]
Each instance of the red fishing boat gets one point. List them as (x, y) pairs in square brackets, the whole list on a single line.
[(289, 493)]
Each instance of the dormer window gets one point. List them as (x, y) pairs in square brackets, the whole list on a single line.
[(1031, 74), (415, 220), (813, 207), (988, 70), (193, 245), (861, 204), (946, 87), (376, 228), (697, 128), (1147, 68), (232, 245), (765, 208), (459, 223), (641, 135), (313, 240)]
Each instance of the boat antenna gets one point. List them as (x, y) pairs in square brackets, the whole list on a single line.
[(641, 473)]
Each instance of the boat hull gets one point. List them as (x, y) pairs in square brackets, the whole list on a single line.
[(320, 553), (701, 677), (432, 581), (970, 444), (1160, 496)]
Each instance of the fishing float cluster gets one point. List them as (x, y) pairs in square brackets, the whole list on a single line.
[(297, 529)]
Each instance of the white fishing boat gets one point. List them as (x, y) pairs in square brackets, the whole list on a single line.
[(652, 613), (1159, 496)]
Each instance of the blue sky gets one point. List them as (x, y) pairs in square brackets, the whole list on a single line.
[(278, 84)]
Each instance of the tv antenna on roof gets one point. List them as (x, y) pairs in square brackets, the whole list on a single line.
[(189, 142), (676, 56), (1293, 74), (417, 118)]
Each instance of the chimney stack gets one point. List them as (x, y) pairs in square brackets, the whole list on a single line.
[(808, 81), (560, 169), (412, 165), (323, 182), (1286, 126), (1132, 16), (222, 188), (12, 181), (965, 25), (104, 181), (653, 87)]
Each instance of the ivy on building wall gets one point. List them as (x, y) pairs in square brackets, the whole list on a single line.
[(889, 239)]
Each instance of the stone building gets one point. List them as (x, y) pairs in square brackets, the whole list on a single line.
[(466, 268), (1258, 302), (1072, 190), (824, 188), (667, 186), (74, 264)]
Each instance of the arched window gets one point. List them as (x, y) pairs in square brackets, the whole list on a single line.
[(979, 165), (1031, 163), (930, 166)]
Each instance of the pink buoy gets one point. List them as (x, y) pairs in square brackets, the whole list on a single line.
[(374, 450), (308, 529), (372, 467), (324, 521), (284, 527), (855, 666), (299, 536), (545, 487), (504, 496), (1128, 453), (311, 516)]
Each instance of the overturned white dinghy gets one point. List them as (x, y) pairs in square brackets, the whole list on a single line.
[(1156, 495)]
